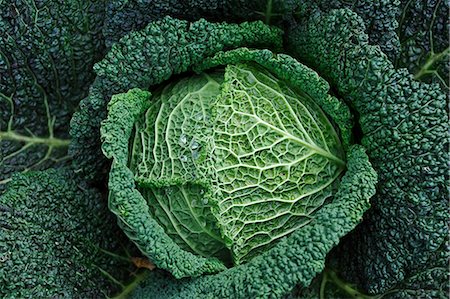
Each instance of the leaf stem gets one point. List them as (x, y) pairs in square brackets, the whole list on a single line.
[(132, 285), (425, 69), (50, 141), (268, 13), (346, 287)]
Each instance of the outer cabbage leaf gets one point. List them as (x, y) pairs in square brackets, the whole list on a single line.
[(404, 125), (125, 16), (47, 51), (380, 18), (55, 233), (429, 282), (424, 35)]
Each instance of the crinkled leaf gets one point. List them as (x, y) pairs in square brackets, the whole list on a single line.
[(424, 35), (55, 233), (47, 51)]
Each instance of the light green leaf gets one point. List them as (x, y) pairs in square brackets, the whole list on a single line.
[(264, 156)]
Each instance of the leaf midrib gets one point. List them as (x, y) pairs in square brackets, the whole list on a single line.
[(295, 139)]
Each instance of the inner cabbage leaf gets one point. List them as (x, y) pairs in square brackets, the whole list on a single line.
[(231, 161)]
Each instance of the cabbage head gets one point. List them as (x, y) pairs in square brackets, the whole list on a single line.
[(215, 167), (234, 160)]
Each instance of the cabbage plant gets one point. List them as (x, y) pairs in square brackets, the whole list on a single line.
[(297, 149)]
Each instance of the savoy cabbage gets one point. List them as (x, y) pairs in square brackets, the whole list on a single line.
[(247, 149), (234, 159)]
